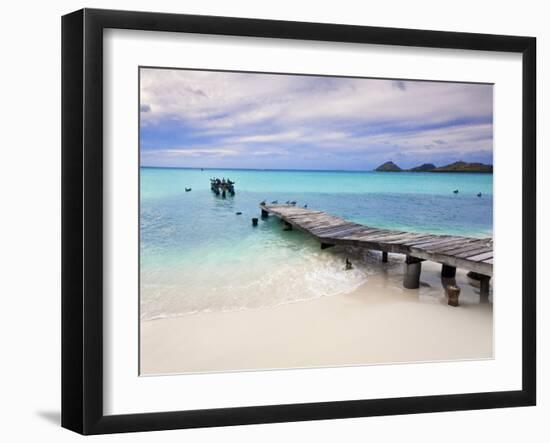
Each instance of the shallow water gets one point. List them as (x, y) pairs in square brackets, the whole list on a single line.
[(198, 255)]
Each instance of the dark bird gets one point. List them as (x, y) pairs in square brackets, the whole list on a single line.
[(292, 202), (456, 191), (348, 264), (274, 202), (238, 213), (262, 203), (187, 189), (479, 194), (305, 206), (288, 202)]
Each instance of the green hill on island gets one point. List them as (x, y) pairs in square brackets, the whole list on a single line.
[(426, 167), (465, 167), (459, 166), (388, 167)]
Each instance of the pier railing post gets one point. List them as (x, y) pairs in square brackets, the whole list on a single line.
[(413, 266)]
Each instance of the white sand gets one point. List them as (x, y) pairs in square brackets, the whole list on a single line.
[(378, 323)]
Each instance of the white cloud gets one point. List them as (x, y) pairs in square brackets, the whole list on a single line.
[(255, 113)]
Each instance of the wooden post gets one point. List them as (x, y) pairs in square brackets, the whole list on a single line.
[(265, 214), (484, 286), (453, 293), (448, 271), (384, 257), (288, 226), (326, 245), (254, 221), (413, 266)]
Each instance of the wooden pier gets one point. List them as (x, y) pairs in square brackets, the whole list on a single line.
[(472, 254)]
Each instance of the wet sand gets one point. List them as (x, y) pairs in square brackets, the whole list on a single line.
[(380, 322)]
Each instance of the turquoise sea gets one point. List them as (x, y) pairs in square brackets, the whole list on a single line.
[(198, 255)]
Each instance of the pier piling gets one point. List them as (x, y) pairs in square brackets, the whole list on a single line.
[(384, 257), (413, 266), (453, 292), (265, 214), (484, 285), (254, 221), (448, 271)]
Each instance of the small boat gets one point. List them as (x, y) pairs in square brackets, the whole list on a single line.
[(187, 189)]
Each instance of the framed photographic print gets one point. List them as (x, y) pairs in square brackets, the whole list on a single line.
[(269, 221)]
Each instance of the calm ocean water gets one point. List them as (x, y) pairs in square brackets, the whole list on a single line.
[(198, 255)]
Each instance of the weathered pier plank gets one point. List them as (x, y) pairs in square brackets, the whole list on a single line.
[(451, 251)]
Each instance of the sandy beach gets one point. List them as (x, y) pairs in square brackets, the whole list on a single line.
[(380, 322)]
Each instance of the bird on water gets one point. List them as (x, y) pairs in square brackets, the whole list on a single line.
[(456, 191)]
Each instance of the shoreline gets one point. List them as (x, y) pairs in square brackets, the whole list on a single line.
[(377, 323)]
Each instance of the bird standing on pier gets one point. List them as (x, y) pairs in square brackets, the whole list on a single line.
[(274, 202), (293, 203), (305, 206)]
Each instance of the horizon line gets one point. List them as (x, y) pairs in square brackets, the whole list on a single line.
[(298, 170)]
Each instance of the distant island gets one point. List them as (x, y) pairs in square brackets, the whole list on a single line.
[(388, 167), (425, 167), (459, 166)]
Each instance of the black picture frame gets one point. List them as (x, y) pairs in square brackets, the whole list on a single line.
[(82, 219)]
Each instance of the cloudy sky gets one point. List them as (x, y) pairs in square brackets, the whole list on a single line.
[(237, 120)]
